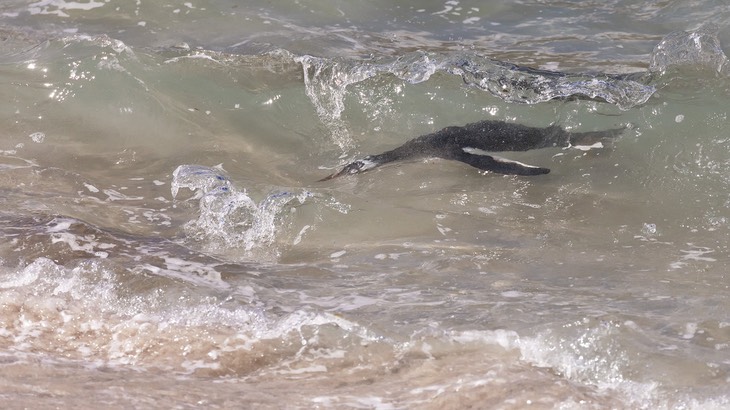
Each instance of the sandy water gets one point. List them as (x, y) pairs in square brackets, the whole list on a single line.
[(165, 244)]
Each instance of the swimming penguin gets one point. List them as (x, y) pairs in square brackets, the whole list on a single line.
[(472, 144)]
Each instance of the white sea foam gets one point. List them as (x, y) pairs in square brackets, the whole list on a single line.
[(61, 7), (591, 358), (694, 254), (86, 310)]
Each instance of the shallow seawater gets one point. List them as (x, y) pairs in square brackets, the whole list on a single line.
[(166, 244)]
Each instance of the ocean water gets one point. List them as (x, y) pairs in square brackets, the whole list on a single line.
[(166, 244)]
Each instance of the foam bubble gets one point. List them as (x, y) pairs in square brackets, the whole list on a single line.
[(37, 137)]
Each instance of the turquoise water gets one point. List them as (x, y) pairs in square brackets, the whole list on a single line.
[(166, 244)]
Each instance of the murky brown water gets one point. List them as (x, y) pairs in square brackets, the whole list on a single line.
[(165, 244)]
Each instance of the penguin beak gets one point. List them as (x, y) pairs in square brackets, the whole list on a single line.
[(333, 176), (351, 168)]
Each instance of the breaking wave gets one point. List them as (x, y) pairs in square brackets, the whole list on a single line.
[(326, 80)]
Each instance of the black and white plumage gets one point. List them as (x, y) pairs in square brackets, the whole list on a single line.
[(473, 143)]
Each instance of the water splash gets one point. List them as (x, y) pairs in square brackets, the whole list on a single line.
[(228, 218), (202, 180), (700, 48), (326, 82), (526, 85)]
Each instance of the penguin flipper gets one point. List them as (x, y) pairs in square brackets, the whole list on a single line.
[(484, 161), (473, 156)]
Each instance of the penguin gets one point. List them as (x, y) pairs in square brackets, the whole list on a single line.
[(473, 144)]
